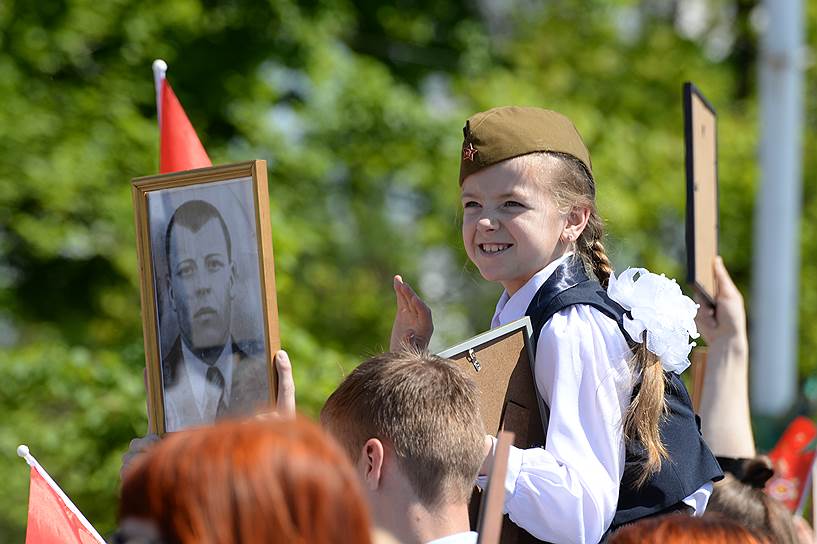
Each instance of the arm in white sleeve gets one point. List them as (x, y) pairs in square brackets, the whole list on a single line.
[(568, 491)]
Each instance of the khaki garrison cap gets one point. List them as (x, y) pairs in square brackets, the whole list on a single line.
[(507, 132)]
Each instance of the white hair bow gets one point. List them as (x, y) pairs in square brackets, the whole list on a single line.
[(655, 304)]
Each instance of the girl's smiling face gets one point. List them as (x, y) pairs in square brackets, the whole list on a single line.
[(511, 227)]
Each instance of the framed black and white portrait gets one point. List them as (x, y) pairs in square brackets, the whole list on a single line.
[(209, 308)]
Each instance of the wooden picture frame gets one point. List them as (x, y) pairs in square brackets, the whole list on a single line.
[(489, 524), (209, 308), (501, 361), (701, 158)]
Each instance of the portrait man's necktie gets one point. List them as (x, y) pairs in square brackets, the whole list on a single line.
[(215, 377)]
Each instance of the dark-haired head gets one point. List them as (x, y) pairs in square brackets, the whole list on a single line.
[(193, 215), (746, 501)]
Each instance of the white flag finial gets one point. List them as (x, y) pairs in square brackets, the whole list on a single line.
[(159, 74), (159, 68), (22, 451)]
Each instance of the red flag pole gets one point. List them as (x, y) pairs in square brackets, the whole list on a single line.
[(49, 523)]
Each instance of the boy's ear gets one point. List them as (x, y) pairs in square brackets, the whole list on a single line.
[(370, 463), (575, 222)]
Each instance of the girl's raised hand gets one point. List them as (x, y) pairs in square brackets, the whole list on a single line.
[(413, 325)]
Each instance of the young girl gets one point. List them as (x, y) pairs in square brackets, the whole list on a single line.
[(622, 440)]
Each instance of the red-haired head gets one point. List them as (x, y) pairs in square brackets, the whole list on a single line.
[(256, 481), (684, 529)]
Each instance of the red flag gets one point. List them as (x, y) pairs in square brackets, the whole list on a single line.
[(793, 456), (52, 517), (180, 146)]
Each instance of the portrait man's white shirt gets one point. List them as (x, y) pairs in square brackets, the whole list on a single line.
[(205, 393)]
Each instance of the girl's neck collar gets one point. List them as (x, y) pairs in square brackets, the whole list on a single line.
[(539, 277)]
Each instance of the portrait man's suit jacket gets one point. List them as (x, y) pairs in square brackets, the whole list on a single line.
[(249, 390)]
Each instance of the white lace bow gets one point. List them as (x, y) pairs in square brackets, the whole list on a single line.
[(657, 305)]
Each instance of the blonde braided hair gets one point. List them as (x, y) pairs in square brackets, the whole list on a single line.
[(571, 185)]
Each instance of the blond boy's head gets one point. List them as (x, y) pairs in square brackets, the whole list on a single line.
[(424, 409)]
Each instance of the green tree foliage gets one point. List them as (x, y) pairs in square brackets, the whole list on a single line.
[(357, 106)]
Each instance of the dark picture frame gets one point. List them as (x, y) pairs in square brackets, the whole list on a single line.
[(209, 306), (702, 221)]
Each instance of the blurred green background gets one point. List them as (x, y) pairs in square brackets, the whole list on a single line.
[(358, 107)]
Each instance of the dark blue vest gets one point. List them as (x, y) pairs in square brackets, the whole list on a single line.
[(690, 463)]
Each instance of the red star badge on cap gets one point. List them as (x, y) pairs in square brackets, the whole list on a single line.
[(469, 152)]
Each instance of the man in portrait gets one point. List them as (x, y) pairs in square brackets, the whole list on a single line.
[(205, 374)]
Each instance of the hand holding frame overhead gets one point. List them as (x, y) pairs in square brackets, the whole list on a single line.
[(726, 322), (724, 410)]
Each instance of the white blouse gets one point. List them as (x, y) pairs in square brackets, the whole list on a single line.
[(568, 491)]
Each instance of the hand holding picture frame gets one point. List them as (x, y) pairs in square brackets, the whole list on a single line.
[(209, 308)]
